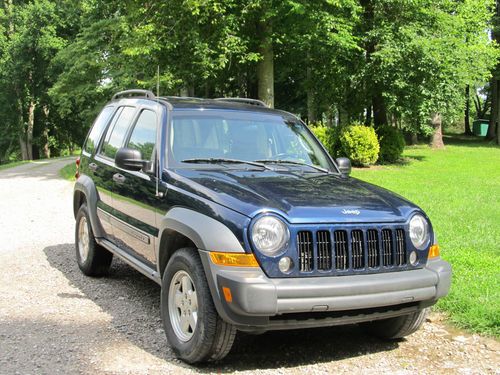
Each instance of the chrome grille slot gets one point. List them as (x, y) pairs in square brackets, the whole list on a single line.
[(387, 247), (357, 249), (372, 247), (341, 250), (400, 247), (324, 250), (305, 248)]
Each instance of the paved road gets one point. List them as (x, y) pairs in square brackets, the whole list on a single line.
[(53, 320)]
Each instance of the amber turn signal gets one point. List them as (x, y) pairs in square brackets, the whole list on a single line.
[(434, 251), (227, 294), (233, 259)]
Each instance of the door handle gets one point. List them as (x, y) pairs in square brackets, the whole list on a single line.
[(93, 167), (119, 178)]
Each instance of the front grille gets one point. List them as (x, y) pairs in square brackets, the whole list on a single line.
[(356, 249)]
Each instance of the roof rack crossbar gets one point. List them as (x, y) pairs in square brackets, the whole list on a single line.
[(148, 94), (256, 102)]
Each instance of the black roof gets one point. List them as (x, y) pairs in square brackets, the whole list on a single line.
[(182, 102), (187, 102)]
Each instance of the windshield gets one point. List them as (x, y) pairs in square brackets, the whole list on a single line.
[(214, 135)]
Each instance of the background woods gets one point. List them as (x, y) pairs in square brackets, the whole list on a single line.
[(417, 65)]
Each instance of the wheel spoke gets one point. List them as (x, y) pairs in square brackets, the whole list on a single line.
[(194, 300), (184, 323), (186, 284), (192, 321), (178, 298)]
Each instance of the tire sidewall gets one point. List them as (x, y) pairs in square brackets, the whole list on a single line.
[(198, 346), (84, 266)]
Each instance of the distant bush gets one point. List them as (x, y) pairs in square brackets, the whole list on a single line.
[(360, 144), (392, 144), (328, 136)]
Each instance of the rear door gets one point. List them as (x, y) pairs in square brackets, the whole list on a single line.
[(104, 165), (134, 194), (92, 167)]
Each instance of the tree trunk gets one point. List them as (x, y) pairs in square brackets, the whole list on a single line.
[(22, 146), (46, 146), (414, 138), (494, 109), (368, 119), (437, 136), (468, 130), (265, 67), (343, 117), (379, 110), (187, 90), (311, 100), (29, 130)]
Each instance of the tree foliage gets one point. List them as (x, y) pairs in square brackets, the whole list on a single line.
[(384, 62)]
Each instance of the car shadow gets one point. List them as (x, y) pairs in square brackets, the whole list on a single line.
[(129, 297)]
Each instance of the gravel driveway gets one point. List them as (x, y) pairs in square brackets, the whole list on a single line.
[(55, 320)]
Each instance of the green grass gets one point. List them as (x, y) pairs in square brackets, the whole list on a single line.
[(68, 172), (13, 164), (459, 188)]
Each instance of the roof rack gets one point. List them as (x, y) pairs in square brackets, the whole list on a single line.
[(258, 103), (148, 94)]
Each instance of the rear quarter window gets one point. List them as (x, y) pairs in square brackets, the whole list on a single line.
[(97, 129)]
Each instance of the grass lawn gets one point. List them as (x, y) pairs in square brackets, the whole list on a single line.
[(68, 172), (459, 188)]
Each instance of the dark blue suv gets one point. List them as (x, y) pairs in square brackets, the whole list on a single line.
[(247, 223)]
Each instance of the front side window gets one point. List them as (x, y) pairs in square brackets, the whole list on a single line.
[(245, 136), (143, 136), (116, 133), (97, 129)]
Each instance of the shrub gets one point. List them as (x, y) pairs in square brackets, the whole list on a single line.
[(360, 144), (327, 136), (392, 144)]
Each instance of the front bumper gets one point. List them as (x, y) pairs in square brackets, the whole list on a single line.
[(256, 298)]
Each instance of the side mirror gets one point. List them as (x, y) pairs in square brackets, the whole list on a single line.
[(344, 165), (130, 159)]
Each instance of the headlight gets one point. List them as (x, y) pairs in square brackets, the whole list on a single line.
[(270, 235), (419, 231)]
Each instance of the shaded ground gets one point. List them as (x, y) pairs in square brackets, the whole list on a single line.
[(55, 320)]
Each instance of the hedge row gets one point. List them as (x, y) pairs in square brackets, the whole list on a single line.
[(362, 144)]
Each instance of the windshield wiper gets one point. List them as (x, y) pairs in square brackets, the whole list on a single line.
[(278, 161), (224, 160)]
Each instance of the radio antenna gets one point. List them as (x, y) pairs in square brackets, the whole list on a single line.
[(158, 133)]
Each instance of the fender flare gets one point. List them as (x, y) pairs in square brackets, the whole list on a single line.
[(205, 232), (86, 186)]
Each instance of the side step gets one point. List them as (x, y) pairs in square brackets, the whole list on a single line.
[(130, 260)]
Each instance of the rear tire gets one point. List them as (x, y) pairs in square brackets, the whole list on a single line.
[(193, 327), (397, 327), (92, 259)]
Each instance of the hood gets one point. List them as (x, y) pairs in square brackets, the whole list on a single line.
[(299, 197)]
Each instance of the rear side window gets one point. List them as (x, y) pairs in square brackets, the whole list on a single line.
[(99, 125), (143, 137), (116, 133)]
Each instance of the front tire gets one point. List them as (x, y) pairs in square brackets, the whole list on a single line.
[(397, 327), (193, 327), (92, 259)]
